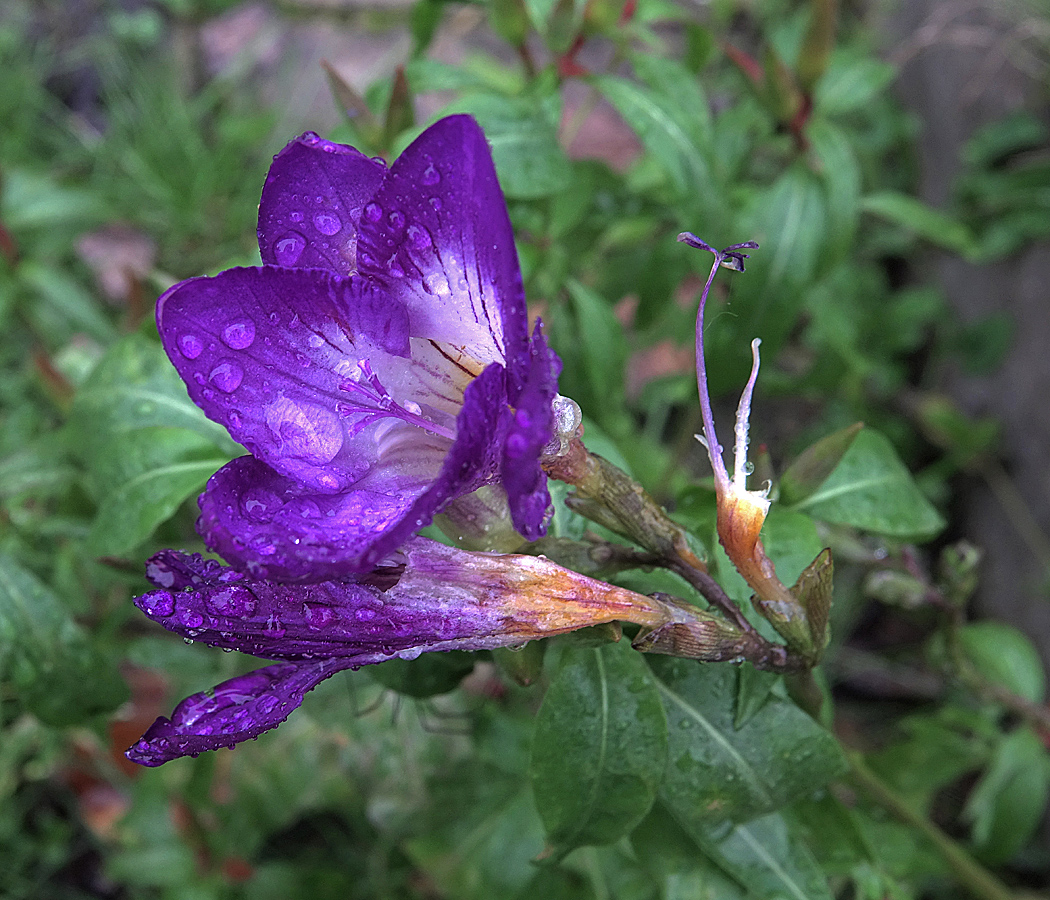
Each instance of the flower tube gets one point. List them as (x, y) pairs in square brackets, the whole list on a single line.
[(426, 597)]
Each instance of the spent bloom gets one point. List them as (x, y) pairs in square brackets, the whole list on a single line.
[(425, 597), (377, 366), (741, 512)]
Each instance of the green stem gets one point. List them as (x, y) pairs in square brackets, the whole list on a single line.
[(972, 876)]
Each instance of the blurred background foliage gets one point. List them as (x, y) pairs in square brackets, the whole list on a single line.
[(134, 138)]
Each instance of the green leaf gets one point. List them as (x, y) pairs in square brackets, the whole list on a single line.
[(428, 676), (872, 490), (753, 689), (813, 465), (768, 859), (718, 772), (1006, 657), (133, 387), (851, 82), (670, 116), (841, 177), (63, 303), (1008, 802), (670, 854), (479, 834), (600, 360), (162, 467), (600, 747), (928, 223), (46, 659), (523, 135)]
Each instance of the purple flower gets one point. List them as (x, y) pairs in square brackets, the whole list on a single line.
[(377, 365), (425, 597)]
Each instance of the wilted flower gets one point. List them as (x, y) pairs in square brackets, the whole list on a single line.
[(740, 512), (800, 614), (377, 365), (425, 597)]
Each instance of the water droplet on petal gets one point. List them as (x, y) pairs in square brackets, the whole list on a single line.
[(190, 346), (239, 335), (430, 176), (436, 283), (191, 618), (365, 615), (234, 602), (158, 604), (227, 376), (317, 616), (373, 212), (396, 219), (435, 203), (327, 223), (289, 248), (266, 704), (419, 237), (296, 216)]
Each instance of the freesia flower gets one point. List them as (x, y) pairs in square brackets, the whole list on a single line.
[(377, 365), (425, 597)]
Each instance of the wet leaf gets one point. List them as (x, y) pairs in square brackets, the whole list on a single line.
[(600, 747)]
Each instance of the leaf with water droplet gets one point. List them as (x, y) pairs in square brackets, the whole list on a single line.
[(600, 747)]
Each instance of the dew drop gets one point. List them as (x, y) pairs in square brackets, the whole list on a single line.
[(430, 176), (190, 346), (437, 283), (234, 419), (239, 335), (396, 219), (435, 203), (289, 248), (296, 216), (373, 212), (327, 223), (419, 237), (365, 615), (227, 376), (235, 602), (266, 704), (191, 618), (749, 468), (158, 604), (317, 616)]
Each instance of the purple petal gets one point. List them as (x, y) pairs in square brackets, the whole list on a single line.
[(437, 236), (473, 461), (427, 597), (531, 429), (312, 202), (307, 370), (430, 597), (241, 708), (274, 527)]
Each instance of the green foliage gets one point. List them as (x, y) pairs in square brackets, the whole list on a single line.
[(600, 747), (610, 774)]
